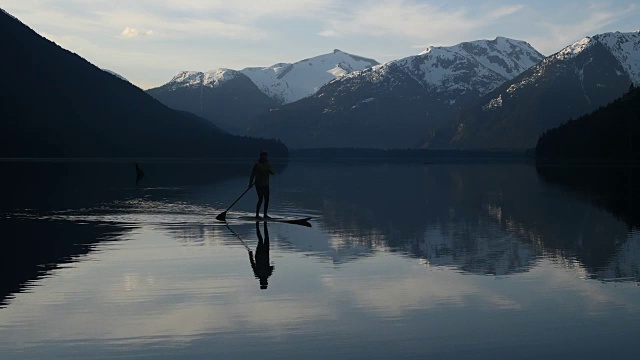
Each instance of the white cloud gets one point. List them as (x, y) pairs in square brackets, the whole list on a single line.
[(328, 33), (239, 33), (129, 32), (133, 32), (597, 17), (505, 11), (415, 21)]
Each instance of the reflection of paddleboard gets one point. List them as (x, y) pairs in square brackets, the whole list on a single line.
[(296, 221)]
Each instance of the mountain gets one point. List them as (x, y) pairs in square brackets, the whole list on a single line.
[(392, 105), (56, 104), (287, 83), (233, 98), (116, 75), (225, 96), (575, 81), (611, 133)]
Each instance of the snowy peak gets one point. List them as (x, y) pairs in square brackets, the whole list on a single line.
[(212, 78), (625, 47), (290, 82), (217, 77), (477, 66), (506, 57), (574, 49), (283, 82)]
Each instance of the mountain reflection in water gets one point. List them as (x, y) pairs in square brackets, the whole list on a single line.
[(406, 242)]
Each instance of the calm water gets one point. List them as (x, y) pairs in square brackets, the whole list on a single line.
[(403, 261)]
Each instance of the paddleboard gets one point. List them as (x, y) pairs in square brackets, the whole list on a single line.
[(304, 221)]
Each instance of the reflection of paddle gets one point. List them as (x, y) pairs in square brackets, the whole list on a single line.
[(239, 238), (223, 216)]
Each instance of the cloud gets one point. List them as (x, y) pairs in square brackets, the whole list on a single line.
[(505, 11), (129, 32), (592, 19), (328, 33), (243, 33), (415, 21), (132, 32)]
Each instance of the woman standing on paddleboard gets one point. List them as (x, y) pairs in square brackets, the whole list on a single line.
[(261, 172)]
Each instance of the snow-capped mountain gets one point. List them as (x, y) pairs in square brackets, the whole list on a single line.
[(392, 104), (287, 83), (232, 98), (226, 97), (475, 66), (575, 81), (197, 79), (625, 47), (283, 82)]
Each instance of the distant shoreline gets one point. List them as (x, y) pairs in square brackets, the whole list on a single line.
[(412, 155)]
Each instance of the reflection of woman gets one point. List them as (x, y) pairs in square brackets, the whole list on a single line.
[(261, 265)]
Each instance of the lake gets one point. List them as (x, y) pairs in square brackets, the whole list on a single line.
[(403, 260)]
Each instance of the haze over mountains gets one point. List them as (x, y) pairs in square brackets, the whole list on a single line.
[(227, 97), (56, 104)]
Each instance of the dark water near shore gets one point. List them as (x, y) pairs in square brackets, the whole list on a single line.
[(477, 261)]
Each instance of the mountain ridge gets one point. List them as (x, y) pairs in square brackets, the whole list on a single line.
[(288, 82), (57, 104), (388, 105), (589, 73)]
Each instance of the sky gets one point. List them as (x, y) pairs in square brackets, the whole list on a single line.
[(149, 41)]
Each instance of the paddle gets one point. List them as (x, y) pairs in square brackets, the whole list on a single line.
[(223, 216)]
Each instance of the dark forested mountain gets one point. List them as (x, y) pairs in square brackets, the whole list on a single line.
[(53, 103), (225, 96), (611, 133), (575, 81), (393, 104)]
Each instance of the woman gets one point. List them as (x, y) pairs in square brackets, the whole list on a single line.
[(260, 173)]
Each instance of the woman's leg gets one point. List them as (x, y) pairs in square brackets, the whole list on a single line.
[(266, 201), (260, 198)]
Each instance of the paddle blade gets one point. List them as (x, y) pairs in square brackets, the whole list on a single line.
[(222, 216)]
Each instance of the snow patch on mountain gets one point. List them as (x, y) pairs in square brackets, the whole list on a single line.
[(626, 48), (507, 57), (470, 66), (283, 82), (215, 78), (212, 78), (574, 49), (291, 82), (494, 103)]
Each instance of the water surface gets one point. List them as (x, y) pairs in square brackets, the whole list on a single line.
[(478, 261)]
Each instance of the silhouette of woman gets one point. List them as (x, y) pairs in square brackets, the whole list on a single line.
[(261, 172), (261, 265)]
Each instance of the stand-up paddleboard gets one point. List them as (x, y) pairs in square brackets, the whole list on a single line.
[(304, 221)]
